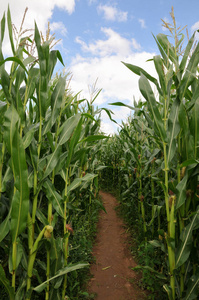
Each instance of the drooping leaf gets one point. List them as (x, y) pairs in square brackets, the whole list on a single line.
[(137, 70), (92, 138), (121, 104), (192, 291), (149, 96), (5, 226), (14, 59), (62, 272), (6, 283), (55, 197), (184, 248)]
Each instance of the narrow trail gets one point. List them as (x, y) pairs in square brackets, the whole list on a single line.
[(112, 277)]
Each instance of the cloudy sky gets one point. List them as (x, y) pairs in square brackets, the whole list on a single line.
[(96, 35)]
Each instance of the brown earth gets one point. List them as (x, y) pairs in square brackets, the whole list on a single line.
[(113, 278)]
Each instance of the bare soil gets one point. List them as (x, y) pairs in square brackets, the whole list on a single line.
[(113, 278)]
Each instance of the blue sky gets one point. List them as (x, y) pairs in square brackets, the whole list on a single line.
[(97, 35)]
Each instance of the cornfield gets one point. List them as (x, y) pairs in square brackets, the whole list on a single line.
[(53, 160), (154, 164), (48, 169)]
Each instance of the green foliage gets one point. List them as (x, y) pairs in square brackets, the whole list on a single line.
[(48, 160), (153, 163)]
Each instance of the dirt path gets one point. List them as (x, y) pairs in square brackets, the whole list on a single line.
[(112, 277)]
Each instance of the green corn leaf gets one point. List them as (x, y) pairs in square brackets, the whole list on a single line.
[(137, 70), (5, 226), (194, 98), (194, 126), (187, 53), (121, 104), (184, 248), (42, 88), (5, 83), (3, 21), (14, 59), (109, 112), (189, 162), (27, 138), (6, 283), (156, 243), (157, 274), (20, 203), (149, 96), (92, 138), (20, 251), (60, 57), (61, 272), (9, 21), (75, 184), (54, 197), (2, 107), (21, 290), (183, 118), (57, 97), (67, 128), (160, 70), (89, 177), (11, 118), (166, 49), (33, 76), (53, 60), (173, 130), (73, 142), (66, 132), (192, 291), (7, 177), (190, 73), (52, 161), (168, 291), (56, 101), (181, 192), (41, 217)]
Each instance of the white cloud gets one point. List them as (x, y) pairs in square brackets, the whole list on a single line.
[(58, 26), (135, 44), (195, 27), (111, 13), (108, 127), (142, 23), (118, 83), (91, 1), (114, 44)]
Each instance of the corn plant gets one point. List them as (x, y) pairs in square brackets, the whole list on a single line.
[(46, 137), (173, 131)]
